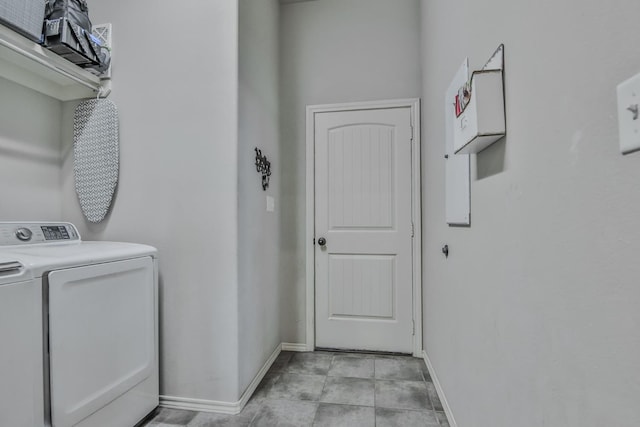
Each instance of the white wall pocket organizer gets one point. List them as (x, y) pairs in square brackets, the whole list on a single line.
[(457, 167), (479, 108)]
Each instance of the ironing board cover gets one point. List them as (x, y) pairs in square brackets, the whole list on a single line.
[(96, 153)]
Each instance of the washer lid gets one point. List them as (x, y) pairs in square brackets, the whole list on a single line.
[(40, 259)]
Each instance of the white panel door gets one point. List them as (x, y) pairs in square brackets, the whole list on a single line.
[(363, 212), (101, 335)]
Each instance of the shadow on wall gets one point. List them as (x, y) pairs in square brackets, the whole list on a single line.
[(100, 227), (292, 261), (491, 161), (29, 152)]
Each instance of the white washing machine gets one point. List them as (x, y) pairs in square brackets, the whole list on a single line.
[(78, 328)]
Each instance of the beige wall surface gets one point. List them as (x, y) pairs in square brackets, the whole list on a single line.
[(259, 231), (30, 164), (533, 320), (175, 80)]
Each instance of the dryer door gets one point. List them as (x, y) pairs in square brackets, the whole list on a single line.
[(101, 335)]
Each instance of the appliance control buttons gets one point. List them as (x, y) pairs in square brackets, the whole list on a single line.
[(24, 234)]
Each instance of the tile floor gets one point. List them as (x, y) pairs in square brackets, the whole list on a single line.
[(331, 389)]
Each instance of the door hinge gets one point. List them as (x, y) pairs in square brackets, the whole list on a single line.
[(413, 327), (412, 133), (413, 230)]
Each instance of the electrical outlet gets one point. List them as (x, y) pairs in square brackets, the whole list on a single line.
[(271, 204), (629, 114)]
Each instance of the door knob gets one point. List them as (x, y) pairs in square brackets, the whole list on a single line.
[(322, 241)]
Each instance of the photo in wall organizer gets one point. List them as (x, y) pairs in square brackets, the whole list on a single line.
[(462, 98)]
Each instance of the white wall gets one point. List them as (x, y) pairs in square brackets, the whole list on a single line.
[(29, 155), (176, 86), (334, 51), (533, 320), (259, 230)]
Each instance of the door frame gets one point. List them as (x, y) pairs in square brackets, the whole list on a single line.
[(416, 210)]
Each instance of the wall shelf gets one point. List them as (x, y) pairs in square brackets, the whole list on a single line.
[(29, 64)]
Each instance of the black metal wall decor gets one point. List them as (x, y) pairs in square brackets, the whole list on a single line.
[(263, 166)]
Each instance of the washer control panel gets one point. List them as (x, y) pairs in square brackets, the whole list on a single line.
[(29, 233), (24, 234)]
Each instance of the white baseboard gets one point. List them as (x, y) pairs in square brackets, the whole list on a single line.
[(200, 405), (259, 376), (287, 346), (436, 383), (220, 407)]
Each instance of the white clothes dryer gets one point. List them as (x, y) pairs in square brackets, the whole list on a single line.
[(78, 328)]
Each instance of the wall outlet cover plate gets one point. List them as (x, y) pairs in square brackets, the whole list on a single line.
[(629, 114)]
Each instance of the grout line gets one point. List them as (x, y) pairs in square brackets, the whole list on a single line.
[(433, 409), (255, 415), (326, 377), (315, 414), (349, 404), (375, 403), (324, 384)]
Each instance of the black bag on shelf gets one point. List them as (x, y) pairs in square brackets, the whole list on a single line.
[(76, 11), (68, 33)]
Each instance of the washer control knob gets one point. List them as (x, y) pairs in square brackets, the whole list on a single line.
[(24, 234)]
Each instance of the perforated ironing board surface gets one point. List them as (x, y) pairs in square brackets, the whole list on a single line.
[(96, 152)]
